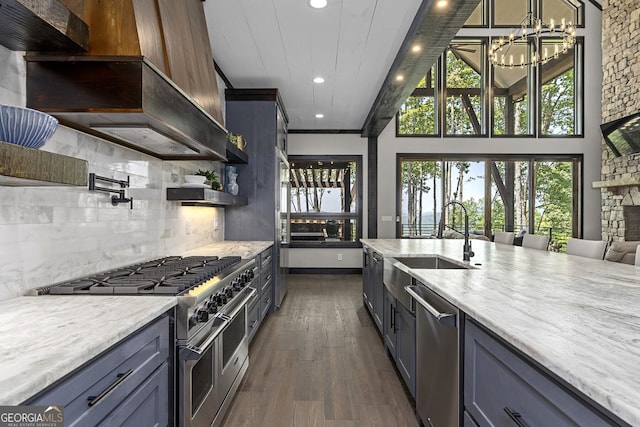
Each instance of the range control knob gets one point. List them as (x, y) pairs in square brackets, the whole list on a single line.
[(193, 321), (202, 315), (212, 307), (229, 291)]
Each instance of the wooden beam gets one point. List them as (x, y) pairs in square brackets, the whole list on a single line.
[(433, 29)]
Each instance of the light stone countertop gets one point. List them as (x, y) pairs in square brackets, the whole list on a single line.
[(577, 317), (44, 338), (244, 249)]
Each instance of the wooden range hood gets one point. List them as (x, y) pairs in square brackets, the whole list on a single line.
[(147, 82)]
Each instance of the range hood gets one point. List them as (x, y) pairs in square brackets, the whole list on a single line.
[(147, 81), (126, 100)]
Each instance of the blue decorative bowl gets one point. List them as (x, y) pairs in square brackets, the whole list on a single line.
[(25, 127)]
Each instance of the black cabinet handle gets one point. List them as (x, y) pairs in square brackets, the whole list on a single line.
[(515, 417), (392, 318), (93, 400)]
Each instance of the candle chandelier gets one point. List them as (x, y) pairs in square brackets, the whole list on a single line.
[(562, 37)]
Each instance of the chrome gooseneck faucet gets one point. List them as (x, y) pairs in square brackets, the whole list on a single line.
[(467, 253)]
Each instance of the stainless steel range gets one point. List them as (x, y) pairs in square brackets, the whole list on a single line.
[(212, 349)]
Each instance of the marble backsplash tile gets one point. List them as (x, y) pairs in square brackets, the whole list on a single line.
[(50, 234)]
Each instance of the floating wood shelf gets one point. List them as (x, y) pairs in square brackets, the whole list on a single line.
[(204, 197), (622, 182), (28, 167), (42, 25), (236, 155)]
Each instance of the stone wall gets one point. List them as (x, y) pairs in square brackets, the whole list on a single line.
[(620, 97)]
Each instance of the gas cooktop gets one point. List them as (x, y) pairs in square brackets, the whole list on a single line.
[(171, 275)]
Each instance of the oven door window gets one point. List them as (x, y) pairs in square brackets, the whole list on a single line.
[(233, 335), (201, 379)]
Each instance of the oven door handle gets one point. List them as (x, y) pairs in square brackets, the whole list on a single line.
[(192, 352), (245, 300)]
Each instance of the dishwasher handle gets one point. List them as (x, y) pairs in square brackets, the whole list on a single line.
[(446, 319)]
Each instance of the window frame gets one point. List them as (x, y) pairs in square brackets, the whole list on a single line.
[(357, 215), (577, 181)]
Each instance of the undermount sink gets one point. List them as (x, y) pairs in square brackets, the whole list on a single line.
[(432, 262)]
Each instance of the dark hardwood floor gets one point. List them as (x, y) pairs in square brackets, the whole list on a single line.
[(319, 361)]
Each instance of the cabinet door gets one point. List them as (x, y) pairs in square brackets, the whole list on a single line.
[(389, 327), (367, 281), (93, 392), (500, 387), (148, 405), (253, 317), (405, 323), (266, 301), (378, 291)]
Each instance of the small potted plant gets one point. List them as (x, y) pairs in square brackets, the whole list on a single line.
[(211, 178)]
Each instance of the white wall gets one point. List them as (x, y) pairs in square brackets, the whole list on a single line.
[(50, 234), (330, 144)]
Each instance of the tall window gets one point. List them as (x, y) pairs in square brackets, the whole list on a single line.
[(326, 200), (512, 95), (464, 88), (419, 114), (558, 109)]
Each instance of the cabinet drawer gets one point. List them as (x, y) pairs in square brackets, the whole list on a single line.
[(265, 260), (267, 277), (266, 300), (92, 392), (253, 317), (499, 386)]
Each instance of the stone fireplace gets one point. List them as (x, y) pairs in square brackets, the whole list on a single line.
[(620, 185), (620, 189), (631, 223)]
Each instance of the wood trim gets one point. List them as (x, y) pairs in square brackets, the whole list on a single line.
[(372, 187), (222, 75), (258, 94)]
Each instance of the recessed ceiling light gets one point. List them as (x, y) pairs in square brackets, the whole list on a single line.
[(442, 3), (319, 116), (399, 77), (318, 80), (416, 48), (318, 4)]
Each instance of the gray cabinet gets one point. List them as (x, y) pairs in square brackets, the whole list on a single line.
[(502, 389), (405, 323), (389, 326), (373, 286), (128, 385), (259, 116), (262, 303), (367, 283), (399, 332), (378, 290)]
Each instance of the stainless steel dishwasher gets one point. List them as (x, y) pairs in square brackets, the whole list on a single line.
[(437, 358)]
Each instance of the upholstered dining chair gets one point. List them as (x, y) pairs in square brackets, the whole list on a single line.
[(535, 241), (505, 237), (586, 248)]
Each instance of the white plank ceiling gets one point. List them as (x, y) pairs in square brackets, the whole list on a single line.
[(284, 44)]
